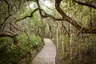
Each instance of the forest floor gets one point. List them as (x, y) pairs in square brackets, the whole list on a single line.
[(47, 54)]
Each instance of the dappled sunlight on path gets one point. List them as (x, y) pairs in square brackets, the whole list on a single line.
[(47, 54)]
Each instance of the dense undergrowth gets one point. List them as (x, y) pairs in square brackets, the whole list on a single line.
[(24, 52), (83, 50)]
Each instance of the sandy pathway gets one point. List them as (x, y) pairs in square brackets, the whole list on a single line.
[(47, 54)]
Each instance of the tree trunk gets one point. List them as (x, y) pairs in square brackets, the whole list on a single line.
[(57, 40), (63, 47), (71, 49)]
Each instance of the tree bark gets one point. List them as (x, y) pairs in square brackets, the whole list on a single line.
[(57, 40)]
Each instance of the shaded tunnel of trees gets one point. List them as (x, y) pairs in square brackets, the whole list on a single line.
[(71, 24)]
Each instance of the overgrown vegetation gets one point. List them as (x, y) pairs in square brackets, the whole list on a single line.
[(24, 52), (71, 24)]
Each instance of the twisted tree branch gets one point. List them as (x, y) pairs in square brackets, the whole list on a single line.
[(31, 15), (86, 4)]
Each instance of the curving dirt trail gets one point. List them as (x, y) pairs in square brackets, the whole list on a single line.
[(47, 54)]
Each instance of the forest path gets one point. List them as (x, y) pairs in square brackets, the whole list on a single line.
[(47, 54)]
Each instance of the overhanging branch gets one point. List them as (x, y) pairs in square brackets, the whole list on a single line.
[(86, 4), (9, 10), (31, 15), (71, 21), (52, 17), (64, 17), (7, 34)]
